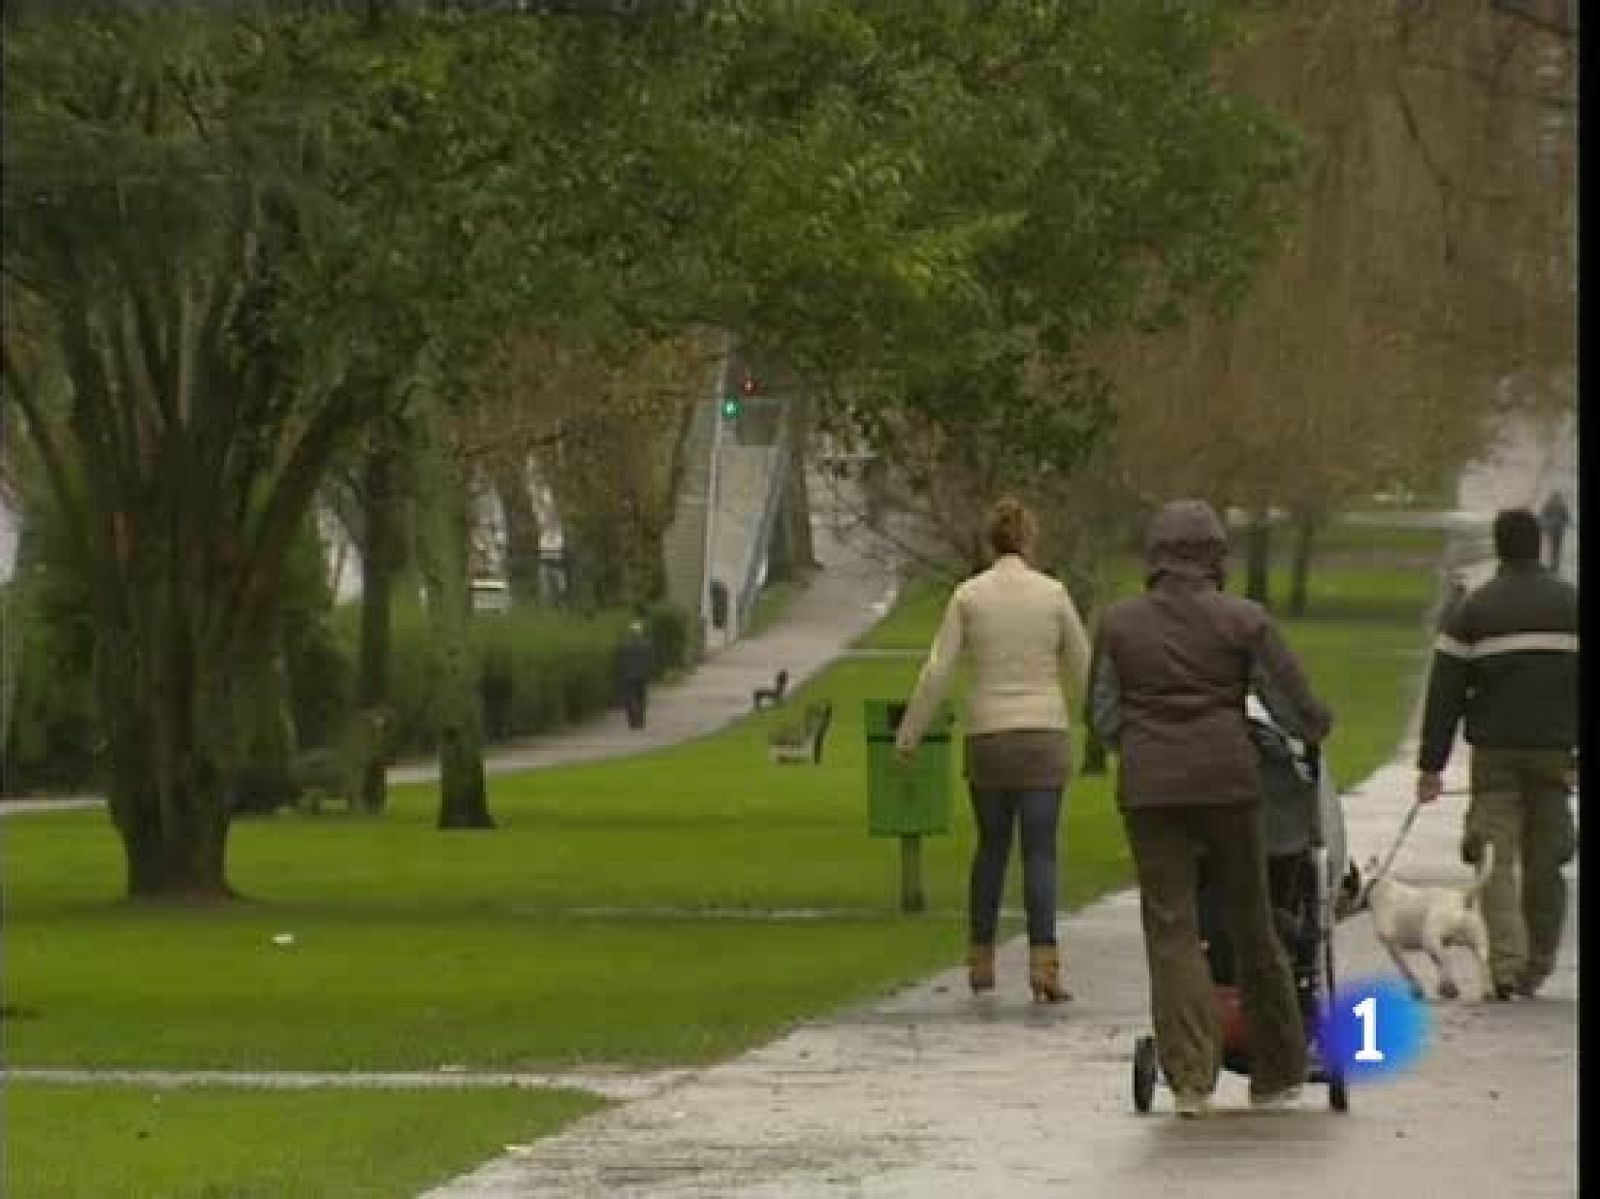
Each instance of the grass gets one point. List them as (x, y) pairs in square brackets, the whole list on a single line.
[(1375, 541), (260, 1144), (674, 907)]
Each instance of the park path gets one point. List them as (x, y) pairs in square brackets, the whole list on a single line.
[(933, 1095), (855, 586)]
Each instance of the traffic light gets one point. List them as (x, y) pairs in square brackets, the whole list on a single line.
[(733, 404)]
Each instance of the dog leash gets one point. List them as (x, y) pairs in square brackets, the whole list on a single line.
[(1405, 828)]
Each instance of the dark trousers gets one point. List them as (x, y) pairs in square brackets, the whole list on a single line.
[(996, 814), (1166, 843), (1554, 537), (633, 702)]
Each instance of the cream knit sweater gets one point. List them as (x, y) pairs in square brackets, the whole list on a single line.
[(1020, 628)]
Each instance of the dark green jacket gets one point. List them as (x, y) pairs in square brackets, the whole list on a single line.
[(1506, 664)]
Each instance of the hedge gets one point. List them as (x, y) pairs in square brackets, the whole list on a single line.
[(539, 669)]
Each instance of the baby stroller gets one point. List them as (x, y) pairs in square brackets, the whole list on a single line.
[(1305, 843)]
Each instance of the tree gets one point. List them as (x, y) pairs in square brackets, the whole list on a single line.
[(1120, 204), (157, 186), (1370, 351)]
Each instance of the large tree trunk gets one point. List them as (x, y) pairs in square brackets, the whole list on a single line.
[(1306, 526), (522, 531), (1258, 558), (164, 697), (442, 532), (367, 741)]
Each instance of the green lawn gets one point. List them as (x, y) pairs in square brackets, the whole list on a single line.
[(116, 1142), (670, 908)]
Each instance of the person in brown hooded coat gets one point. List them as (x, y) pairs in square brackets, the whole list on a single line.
[(1169, 676)]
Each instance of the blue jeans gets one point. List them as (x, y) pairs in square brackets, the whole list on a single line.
[(996, 813)]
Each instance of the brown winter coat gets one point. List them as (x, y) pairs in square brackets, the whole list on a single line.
[(1171, 670)]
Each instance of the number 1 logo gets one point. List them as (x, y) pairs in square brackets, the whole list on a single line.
[(1367, 1010), (1372, 1028)]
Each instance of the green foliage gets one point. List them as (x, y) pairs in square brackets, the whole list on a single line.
[(538, 669), (50, 731), (932, 203), (671, 633), (320, 683), (50, 734)]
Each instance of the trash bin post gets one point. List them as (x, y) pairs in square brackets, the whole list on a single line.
[(908, 800), (912, 897)]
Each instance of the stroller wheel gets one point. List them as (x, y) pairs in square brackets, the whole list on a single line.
[(1144, 1073)]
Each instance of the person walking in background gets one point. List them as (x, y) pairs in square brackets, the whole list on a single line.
[(1506, 665), (635, 663), (1020, 629), (1168, 683), (1554, 518)]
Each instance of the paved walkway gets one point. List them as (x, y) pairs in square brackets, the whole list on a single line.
[(852, 591), (933, 1095)]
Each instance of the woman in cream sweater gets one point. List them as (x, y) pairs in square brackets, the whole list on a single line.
[(1020, 629)]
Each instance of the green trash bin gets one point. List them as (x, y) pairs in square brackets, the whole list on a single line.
[(911, 800)]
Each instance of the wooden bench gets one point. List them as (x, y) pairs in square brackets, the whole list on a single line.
[(323, 779), (802, 742), (771, 696)]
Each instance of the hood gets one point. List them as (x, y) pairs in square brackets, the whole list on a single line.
[(1186, 540)]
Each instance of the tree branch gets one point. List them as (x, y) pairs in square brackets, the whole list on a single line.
[(287, 501), (1527, 14)]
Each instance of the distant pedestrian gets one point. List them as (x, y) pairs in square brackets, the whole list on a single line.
[(1171, 673), (635, 664), (1020, 629), (1554, 518), (1506, 666)]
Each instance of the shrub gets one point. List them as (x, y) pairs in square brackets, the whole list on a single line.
[(321, 682), (50, 735), (672, 634), (537, 668)]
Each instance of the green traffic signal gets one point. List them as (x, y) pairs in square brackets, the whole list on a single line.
[(731, 407)]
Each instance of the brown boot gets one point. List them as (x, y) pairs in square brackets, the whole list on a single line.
[(980, 968), (1044, 975)]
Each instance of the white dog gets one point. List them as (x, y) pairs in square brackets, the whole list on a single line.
[(1430, 920)]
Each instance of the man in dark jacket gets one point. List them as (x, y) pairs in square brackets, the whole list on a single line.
[(635, 661), (1170, 674), (1506, 666)]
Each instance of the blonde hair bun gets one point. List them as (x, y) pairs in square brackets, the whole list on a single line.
[(1011, 526)]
